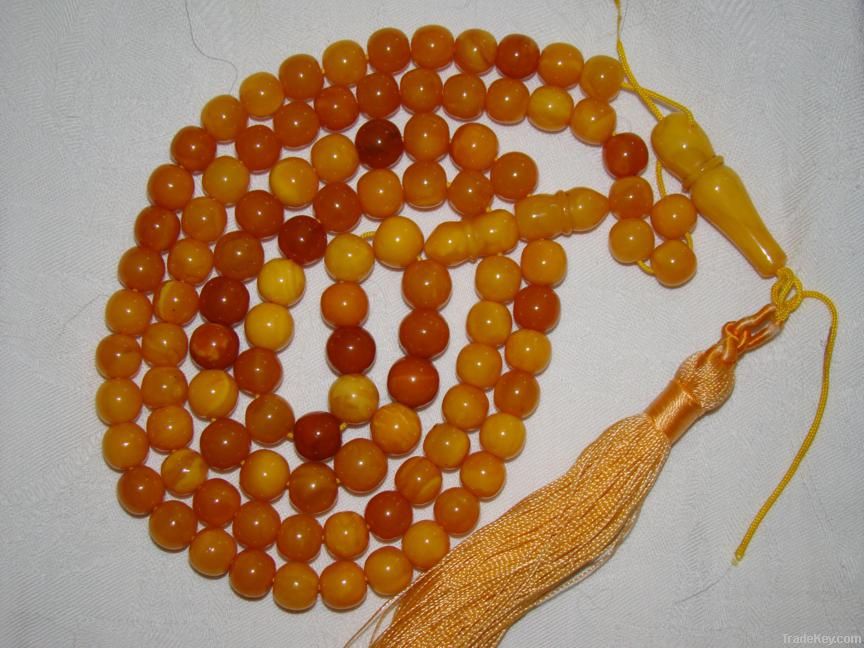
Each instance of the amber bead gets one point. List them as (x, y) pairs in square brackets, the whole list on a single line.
[(313, 488), (156, 228), (118, 400), (398, 241), (470, 193), (514, 176), (261, 94), (427, 137), (464, 96), (424, 333), (344, 63), (226, 179), (457, 510), (345, 535), (223, 117), (517, 393), (350, 350), (163, 386), (257, 370), (421, 90), (465, 406), (281, 281), (303, 240), (294, 182), (503, 435), (212, 552), (170, 187), (334, 158), (673, 216), (225, 444), (378, 95), (489, 323), (118, 356), (593, 121), (295, 587), (536, 307), (301, 77), (388, 515), (625, 154), (300, 537), (175, 302), (349, 258), (214, 346), (378, 143), (269, 419), (342, 585), (251, 573), (474, 51), (337, 207), (425, 543), (190, 261), (256, 525), (446, 446), (238, 255), (483, 474), (550, 108), (141, 269), (560, 65), (388, 50), (183, 471), (264, 475), (630, 197), (317, 436), (124, 445), (353, 398), (544, 262), (212, 394), (418, 480), (169, 428), (517, 56), (128, 312), (269, 326), (432, 47), (224, 301), (478, 365), (216, 502), (528, 350), (631, 240), (474, 146), (296, 124), (413, 381), (380, 193), (193, 148), (425, 185), (360, 465), (344, 304), (673, 263), (426, 284), (395, 428), (140, 490), (336, 107), (497, 279), (173, 525), (388, 571), (602, 77), (257, 147), (507, 101)]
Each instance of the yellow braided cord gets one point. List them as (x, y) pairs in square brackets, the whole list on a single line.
[(787, 294)]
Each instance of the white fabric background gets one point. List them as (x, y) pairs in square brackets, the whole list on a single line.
[(90, 95)]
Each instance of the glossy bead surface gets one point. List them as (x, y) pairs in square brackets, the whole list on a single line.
[(424, 185), (256, 525), (281, 281), (303, 240), (225, 444), (337, 207), (413, 381), (344, 63), (212, 394), (378, 143), (503, 435), (336, 108), (474, 51), (464, 96), (397, 242), (301, 77), (360, 465), (226, 179), (294, 182), (264, 475), (514, 176), (257, 147), (353, 398), (261, 94), (478, 365), (388, 50), (128, 312), (156, 228), (560, 65), (631, 240), (544, 262), (446, 446), (350, 350), (528, 350), (118, 400), (317, 436), (300, 537), (388, 571), (630, 197), (421, 90), (474, 146), (214, 346), (163, 386), (269, 326), (140, 490), (550, 108), (223, 117), (190, 261), (536, 307), (465, 406), (257, 371), (260, 214), (432, 47), (625, 154), (313, 488), (140, 269), (507, 101), (118, 356), (518, 56), (673, 216), (296, 124), (380, 193), (388, 515), (395, 428), (517, 393), (172, 525), (345, 535), (124, 446), (426, 284), (193, 148), (483, 474), (378, 95), (425, 543), (349, 258), (344, 304), (175, 302), (211, 553), (427, 137), (251, 573), (224, 301), (497, 279), (593, 121), (216, 502), (457, 510), (424, 333), (269, 419), (342, 585), (183, 472), (334, 157), (470, 193), (602, 77), (170, 187), (295, 587), (674, 263), (169, 428), (489, 323), (418, 480), (238, 255)]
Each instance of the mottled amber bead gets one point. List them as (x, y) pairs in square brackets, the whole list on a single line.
[(337, 207), (507, 101), (418, 480), (190, 261), (350, 350), (303, 240), (388, 50), (342, 585), (128, 312), (317, 436), (360, 465), (426, 284), (631, 240), (353, 398), (349, 258), (446, 446), (517, 393), (518, 56), (395, 428), (300, 537), (413, 381), (427, 137), (212, 393), (216, 502), (470, 193), (483, 474), (630, 197), (474, 146), (225, 444), (388, 571), (378, 95), (257, 371), (141, 269), (256, 525), (503, 435), (673, 263), (226, 179), (344, 63), (175, 302), (528, 350), (269, 326), (673, 216), (388, 515), (625, 154), (536, 307), (478, 365), (546, 216), (293, 181), (380, 193), (514, 176), (346, 535), (224, 300), (313, 488), (296, 124), (602, 77), (334, 158), (169, 428), (156, 228), (457, 510), (118, 400), (238, 255), (489, 323), (544, 262), (424, 333), (257, 147), (214, 346), (264, 475), (344, 304), (432, 47), (269, 419), (212, 552), (425, 543), (193, 148), (397, 242), (379, 143), (474, 51), (173, 525), (464, 96), (301, 77), (118, 356), (465, 406), (252, 573), (261, 94), (295, 587), (124, 446), (421, 90), (336, 107), (593, 121), (170, 187), (223, 117), (140, 490), (183, 471), (425, 185), (281, 281), (560, 65), (497, 279), (550, 108)]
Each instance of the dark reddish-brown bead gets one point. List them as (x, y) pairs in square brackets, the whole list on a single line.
[(424, 333), (257, 147), (317, 436), (303, 240), (214, 346), (269, 419), (470, 193), (337, 207), (216, 502), (257, 371), (625, 154), (156, 228), (389, 515), (225, 444), (296, 124), (536, 307), (379, 143), (260, 213), (517, 56), (193, 148), (413, 381), (378, 95), (336, 108), (350, 350), (238, 255), (224, 301)]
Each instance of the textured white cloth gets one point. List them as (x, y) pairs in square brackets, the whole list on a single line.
[(90, 95)]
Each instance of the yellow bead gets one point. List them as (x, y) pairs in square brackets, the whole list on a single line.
[(602, 77), (342, 585), (549, 108), (503, 435), (346, 535), (560, 65), (673, 216), (446, 446), (261, 94), (226, 179), (489, 323), (183, 471), (388, 571), (478, 365), (269, 326), (593, 121), (281, 281), (264, 475), (448, 244), (544, 262), (353, 398), (528, 350), (295, 586), (465, 406), (398, 242), (349, 258), (294, 181), (673, 263), (395, 428), (498, 279), (425, 543), (212, 394), (334, 157), (483, 474), (118, 401), (494, 232), (631, 240)]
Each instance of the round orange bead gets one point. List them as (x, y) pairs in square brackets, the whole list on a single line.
[(169, 428), (118, 400), (260, 213), (593, 121), (432, 47), (446, 446), (503, 435), (483, 474), (257, 147), (457, 510), (353, 398), (252, 573), (301, 77), (294, 182), (465, 406), (140, 490), (474, 146), (164, 344), (560, 65), (170, 187), (300, 537), (295, 587), (128, 312), (313, 488), (225, 444), (183, 471), (212, 393), (518, 56), (156, 228), (388, 50), (464, 96), (489, 323), (673, 216), (264, 475), (478, 365), (631, 240), (395, 428), (413, 381), (528, 350), (190, 261), (514, 176), (426, 284), (380, 193), (550, 108), (193, 148), (261, 94), (424, 185), (124, 446), (163, 386), (421, 90), (269, 419), (425, 543), (517, 393), (344, 63), (342, 585), (336, 108), (334, 157), (175, 302), (216, 502), (474, 51), (507, 101), (224, 117), (388, 571), (212, 552), (625, 154), (388, 515), (173, 525), (424, 333), (296, 124), (631, 197), (470, 193), (226, 179), (378, 95), (360, 465), (418, 480), (345, 535), (544, 262), (602, 77), (674, 263), (536, 307), (256, 525), (497, 279), (118, 356), (141, 269)]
